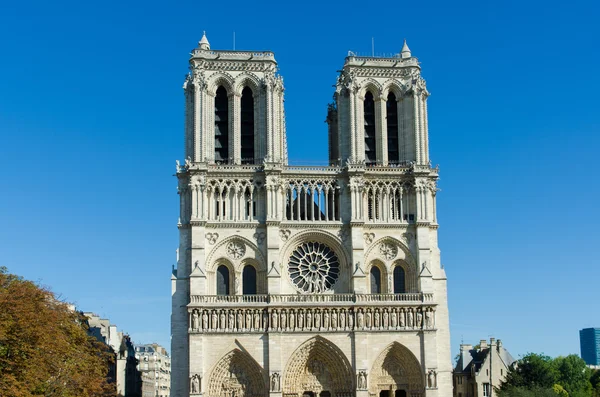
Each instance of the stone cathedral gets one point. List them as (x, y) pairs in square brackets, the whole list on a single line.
[(305, 281)]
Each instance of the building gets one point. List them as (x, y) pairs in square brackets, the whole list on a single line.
[(299, 281), (154, 365), (589, 340), (124, 372), (479, 370)]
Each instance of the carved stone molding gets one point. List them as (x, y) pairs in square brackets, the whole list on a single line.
[(260, 237), (388, 250), (369, 237), (236, 250), (212, 238), (285, 234)]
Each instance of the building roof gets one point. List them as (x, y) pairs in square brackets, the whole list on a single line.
[(474, 359)]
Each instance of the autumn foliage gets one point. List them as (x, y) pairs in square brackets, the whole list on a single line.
[(45, 349)]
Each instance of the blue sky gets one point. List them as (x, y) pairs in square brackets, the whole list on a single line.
[(91, 114)]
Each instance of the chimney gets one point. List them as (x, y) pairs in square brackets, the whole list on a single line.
[(483, 344), (492, 342), (465, 356), (499, 344)]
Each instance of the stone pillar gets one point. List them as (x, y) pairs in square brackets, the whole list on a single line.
[(235, 128), (381, 130)]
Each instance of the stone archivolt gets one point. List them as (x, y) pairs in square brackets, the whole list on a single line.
[(396, 368), (318, 365), (237, 375)]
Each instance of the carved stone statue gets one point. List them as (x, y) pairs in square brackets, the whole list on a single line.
[(214, 319), (409, 319), (300, 320), (350, 319), (419, 316), (362, 380), (309, 320), (360, 321), (240, 320), (326, 320), (377, 319), (265, 317), (195, 320), (402, 319), (231, 318), (195, 384), (394, 319), (222, 318), (429, 319), (385, 319), (274, 320), (432, 379), (317, 319), (248, 320), (283, 319), (256, 320), (204, 320), (342, 320), (292, 320), (368, 319), (275, 382)]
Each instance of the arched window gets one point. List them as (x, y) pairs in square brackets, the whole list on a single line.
[(392, 129), (375, 280), (399, 280), (370, 144), (222, 280), (221, 126), (247, 127), (249, 280)]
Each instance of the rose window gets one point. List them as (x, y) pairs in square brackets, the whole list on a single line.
[(314, 267)]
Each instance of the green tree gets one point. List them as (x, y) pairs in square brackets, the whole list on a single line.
[(573, 375), (44, 346), (595, 381), (534, 391), (533, 371)]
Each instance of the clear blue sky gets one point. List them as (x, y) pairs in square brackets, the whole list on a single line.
[(91, 113)]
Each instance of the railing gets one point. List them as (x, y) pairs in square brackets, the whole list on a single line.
[(275, 299)]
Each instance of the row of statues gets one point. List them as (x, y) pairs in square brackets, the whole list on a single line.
[(317, 319)]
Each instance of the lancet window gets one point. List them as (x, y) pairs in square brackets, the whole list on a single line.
[(370, 141), (392, 129), (221, 126), (249, 280), (247, 126), (399, 280), (312, 200), (222, 280), (375, 276)]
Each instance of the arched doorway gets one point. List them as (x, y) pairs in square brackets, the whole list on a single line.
[(318, 368), (396, 373), (236, 375)]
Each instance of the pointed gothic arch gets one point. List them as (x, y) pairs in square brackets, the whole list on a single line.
[(396, 368), (236, 374), (317, 366)]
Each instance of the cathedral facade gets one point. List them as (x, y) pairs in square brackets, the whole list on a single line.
[(297, 281)]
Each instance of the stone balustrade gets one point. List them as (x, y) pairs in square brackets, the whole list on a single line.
[(311, 299)]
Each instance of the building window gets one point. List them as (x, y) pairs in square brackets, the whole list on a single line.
[(392, 129), (486, 389), (221, 126), (249, 280), (247, 127), (375, 280), (222, 280), (370, 142), (399, 280)]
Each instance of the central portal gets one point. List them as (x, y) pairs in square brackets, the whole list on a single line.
[(318, 369)]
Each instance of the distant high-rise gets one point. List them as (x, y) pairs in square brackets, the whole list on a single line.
[(589, 339)]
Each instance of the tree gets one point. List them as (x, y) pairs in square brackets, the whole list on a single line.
[(535, 391), (573, 375), (44, 346), (531, 372)]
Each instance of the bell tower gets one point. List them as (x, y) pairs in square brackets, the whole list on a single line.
[(379, 114), (234, 107)]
